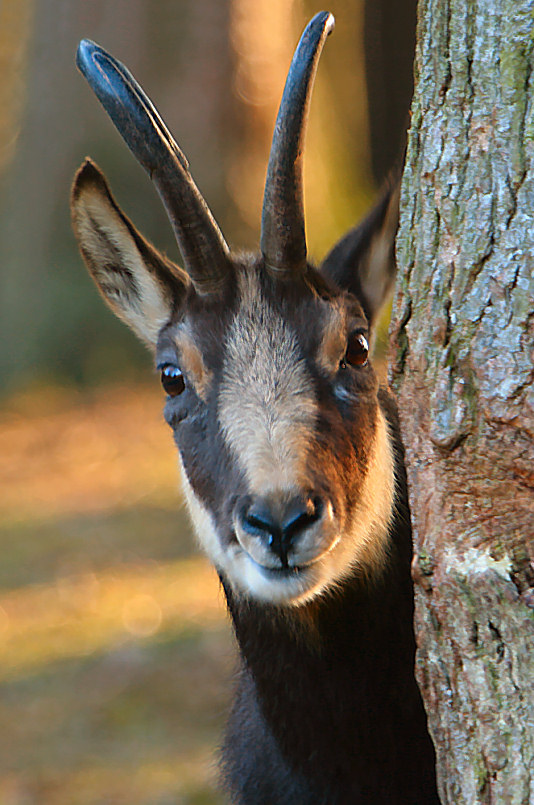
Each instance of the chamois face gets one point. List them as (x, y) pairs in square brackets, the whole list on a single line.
[(285, 456), (286, 459)]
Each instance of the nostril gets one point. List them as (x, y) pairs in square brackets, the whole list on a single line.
[(258, 520), (302, 513)]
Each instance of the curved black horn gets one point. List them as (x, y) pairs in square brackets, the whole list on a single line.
[(201, 242), (283, 236)]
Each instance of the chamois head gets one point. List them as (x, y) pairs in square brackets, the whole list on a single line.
[(286, 458)]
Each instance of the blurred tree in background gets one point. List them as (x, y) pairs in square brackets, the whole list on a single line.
[(216, 71)]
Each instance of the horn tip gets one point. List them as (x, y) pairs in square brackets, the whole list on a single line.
[(330, 23), (326, 20), (84, 53)]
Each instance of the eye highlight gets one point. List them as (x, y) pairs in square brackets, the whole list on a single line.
[(357, 350), (172, 379)]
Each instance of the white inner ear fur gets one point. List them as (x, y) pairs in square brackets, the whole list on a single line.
[(145, 307)]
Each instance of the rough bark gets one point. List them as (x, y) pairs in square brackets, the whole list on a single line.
[(463, 340)]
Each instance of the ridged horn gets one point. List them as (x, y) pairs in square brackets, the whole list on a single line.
[(203, 247), (283, 235)]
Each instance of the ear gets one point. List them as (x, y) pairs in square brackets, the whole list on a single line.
[(139, 284), (363, 262)]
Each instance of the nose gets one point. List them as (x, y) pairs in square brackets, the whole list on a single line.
[(279, 525)]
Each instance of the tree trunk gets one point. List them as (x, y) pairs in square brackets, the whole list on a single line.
[(463, 341)]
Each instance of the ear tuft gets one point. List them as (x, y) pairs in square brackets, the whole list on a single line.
[(363, 262), (139, 284)]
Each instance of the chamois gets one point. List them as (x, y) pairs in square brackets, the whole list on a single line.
[(290, 453)]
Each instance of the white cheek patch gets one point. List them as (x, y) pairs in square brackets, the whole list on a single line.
[(267, 407), (202, 522), (369, 530)]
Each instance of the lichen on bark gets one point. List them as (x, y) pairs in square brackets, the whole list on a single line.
[(462, 366)]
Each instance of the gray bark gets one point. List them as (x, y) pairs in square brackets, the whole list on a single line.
[(463, 341)]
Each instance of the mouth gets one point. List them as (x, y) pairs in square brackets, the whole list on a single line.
[(289, 585), (280, 573)]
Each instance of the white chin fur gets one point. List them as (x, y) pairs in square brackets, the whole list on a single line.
[(263, 584)]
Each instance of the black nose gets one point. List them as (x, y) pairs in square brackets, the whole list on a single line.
[(279, 525)]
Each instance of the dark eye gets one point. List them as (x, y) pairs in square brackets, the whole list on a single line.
[(172, 379), (357, 350)]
